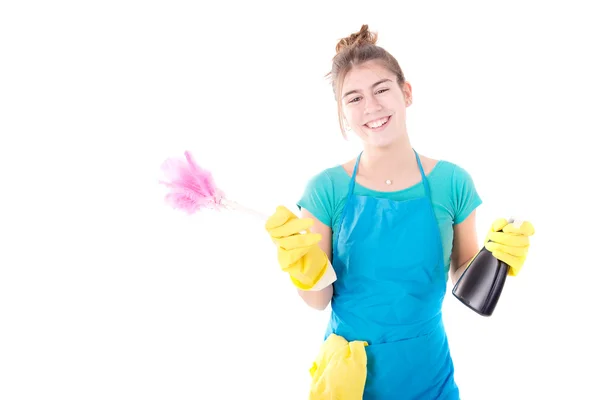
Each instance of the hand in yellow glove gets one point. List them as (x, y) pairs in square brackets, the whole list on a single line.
[(298, 253), (509, 243), (340, 370)]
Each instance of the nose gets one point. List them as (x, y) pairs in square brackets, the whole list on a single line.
[(372, 105)]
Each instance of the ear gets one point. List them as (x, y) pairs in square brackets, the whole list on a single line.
[(407, 91)]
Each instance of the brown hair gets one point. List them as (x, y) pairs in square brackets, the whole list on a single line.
[(355, 50)]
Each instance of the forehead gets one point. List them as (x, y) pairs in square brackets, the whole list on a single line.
[(365, 75)]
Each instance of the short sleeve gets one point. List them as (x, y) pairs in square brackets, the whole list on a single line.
[(318, 198), (465, 198)]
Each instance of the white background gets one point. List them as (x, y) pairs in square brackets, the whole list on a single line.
[(107, 293)]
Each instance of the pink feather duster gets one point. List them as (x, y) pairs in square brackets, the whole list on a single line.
[(193, 188)]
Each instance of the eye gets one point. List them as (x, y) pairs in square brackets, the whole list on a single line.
[(381, 91), (354, 100)]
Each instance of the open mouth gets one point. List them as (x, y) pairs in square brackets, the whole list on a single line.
[(378, 123)]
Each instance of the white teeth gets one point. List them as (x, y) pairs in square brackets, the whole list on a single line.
[(377, 123)]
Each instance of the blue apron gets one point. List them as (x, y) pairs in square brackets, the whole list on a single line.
[(390, 286)]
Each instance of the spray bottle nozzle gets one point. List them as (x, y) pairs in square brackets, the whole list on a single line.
[(515, 221)]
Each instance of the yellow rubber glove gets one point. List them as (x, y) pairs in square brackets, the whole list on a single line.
[(298, 253), (340, 370), (509, 243)]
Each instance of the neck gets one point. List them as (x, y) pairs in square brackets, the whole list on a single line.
[(388, 162)]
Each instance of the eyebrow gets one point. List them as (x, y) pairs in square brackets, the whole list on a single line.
[(372, 86)]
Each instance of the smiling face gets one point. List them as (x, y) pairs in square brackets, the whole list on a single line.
[(374, 104)]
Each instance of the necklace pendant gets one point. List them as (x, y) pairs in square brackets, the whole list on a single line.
[(388, 182)]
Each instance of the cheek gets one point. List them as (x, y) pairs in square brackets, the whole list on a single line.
[(390, 102), (354, 117)]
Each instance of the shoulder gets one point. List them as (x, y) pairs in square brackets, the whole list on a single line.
[(331, 177), (429, 164), (328, 185), (460, 175), (459, 189), (347, 167), (439, 168), (452, 181), (322, 193), (446, 170), (326, 177)]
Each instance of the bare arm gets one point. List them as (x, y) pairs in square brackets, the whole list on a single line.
[(465, 246), (319, 299)]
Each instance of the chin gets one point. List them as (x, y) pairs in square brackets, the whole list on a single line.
[(386, 141)]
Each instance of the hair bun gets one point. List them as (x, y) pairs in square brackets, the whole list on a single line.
[(362, 37)]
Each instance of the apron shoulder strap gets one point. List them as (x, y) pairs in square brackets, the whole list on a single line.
[(353, 179), (423, 177)]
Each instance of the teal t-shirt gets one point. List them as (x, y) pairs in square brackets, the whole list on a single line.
[(453, 195)]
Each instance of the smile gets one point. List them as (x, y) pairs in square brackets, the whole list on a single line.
[(378, 123)]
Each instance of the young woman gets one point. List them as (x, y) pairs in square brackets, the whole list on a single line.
[(378, 237)]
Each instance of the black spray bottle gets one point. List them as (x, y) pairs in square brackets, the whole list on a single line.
[(480, 286)]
